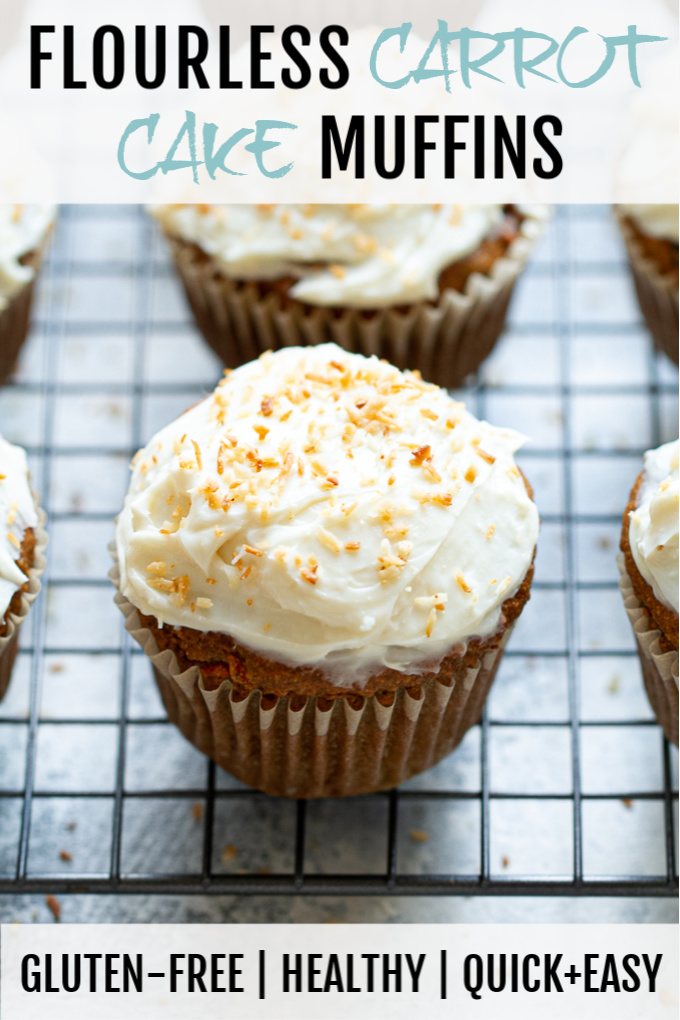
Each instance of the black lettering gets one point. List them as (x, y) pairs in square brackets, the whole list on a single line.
[(555, 168), (391, 972), (331, 135), (175, 969), (312, 973), (369, 958), (30, 979), (527, 984), (110, 972), (491, 973), (67, 983), (333, 974), (652, 969), (186, 32), (415, 969), (49, 987), (225, 60), (92, 957), (295, 972), (295, 55), (38, 54), (504, 143), (235, 972), (590, 972), (334, 56), (610, 977), (550, 974), (473, 984), (399, 147), (196, 968), (629, 962), (420, 143), (257, 55), (133, 974), (480, 172), (140, 57), (69, 81), (118, 56), (450, 143)]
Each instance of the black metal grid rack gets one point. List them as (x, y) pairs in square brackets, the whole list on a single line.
[(565, 788)]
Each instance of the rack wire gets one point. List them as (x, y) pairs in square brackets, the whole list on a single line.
[(565, 788)]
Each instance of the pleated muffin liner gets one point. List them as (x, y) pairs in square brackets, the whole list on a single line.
[(659, 668), (9, 642), (657, 293), (445, 340), (16, 317), (318, 748)]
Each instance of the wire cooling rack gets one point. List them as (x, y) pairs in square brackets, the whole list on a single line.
[(565, 788)]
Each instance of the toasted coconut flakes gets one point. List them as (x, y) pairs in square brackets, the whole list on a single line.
[(396, 529), (419, 456), (309, 574), (365, 243), (262, 432), (12, 514), (329, 540), (252, 551), (426, 413), (485, 456), (161, 584), (339, 272), (470, 475), (204, 603), (210, 580), (431, 620), (404, 549), (246, 573), (431, 474), (352, 546), (451, 423), (331, 482), (495, 581), (490, 531), (197, 451), (462, 583), (163, 531), (156, 568), (267, 406), (218, 532), (513, 472)]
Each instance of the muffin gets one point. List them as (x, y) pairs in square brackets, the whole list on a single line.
[(324, 560), (22, 546), (23, 233), (649, 579), (651, 236), (425, 286)]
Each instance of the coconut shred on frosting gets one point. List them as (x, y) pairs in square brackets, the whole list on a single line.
[(326, 509), (653, 529), (362, 256), (22, 229), (17, 513)]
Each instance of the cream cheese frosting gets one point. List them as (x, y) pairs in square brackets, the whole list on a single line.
[(326, 509), (660, 221), (17, 513), (361, 256), (653, 529), (22, 229)]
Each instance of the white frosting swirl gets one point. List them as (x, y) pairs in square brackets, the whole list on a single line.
[(659, 220), (653, 529), (327, 509), (22, 228), (356, 256), (17, 513)]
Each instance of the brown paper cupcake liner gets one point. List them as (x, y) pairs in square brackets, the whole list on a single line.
[(16, 317), (659, 668), (657, 294), (9, 642), (318, 748), (445, 340)]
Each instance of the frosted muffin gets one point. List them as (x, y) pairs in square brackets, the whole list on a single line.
[(22, 545), (425, 286), (23, 233), (324, 560), (651, 236), (649, 579)]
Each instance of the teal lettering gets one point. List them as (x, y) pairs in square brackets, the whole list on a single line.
[(150, 123)]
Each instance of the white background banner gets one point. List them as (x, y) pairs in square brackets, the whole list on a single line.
[(195, 100), (178, 972)]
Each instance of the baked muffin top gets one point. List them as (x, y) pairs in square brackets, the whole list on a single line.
[(22, 229), (326, 509), (350, 256), (17, 514), (653, 529)]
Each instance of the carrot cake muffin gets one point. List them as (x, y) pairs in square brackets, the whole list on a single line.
[(425, 286), (649, 579), (651, 236), (23, 232), (323, 560), (22, 542)]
